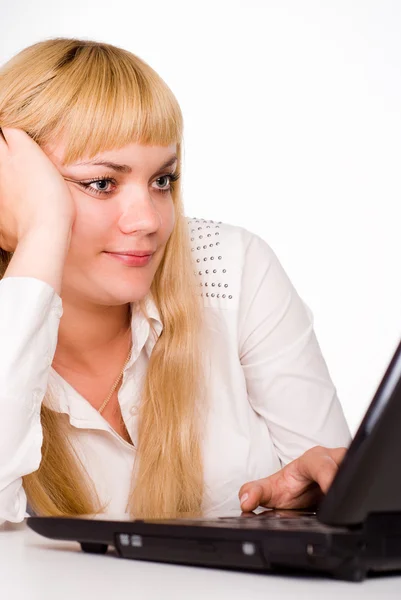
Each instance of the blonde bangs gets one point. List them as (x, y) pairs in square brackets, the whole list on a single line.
[(95, 97)]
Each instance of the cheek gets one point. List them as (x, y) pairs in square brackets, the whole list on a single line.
[(169, 221), (89, 230)]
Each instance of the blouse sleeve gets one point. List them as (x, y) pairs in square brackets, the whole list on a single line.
[(30, 312), (288, 382)]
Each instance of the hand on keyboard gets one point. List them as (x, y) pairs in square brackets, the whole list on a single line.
[(300, 484)]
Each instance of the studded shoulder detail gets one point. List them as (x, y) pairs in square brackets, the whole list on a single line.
[(217, 250)]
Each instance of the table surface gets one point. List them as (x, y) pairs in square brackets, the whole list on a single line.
[(37, 568)]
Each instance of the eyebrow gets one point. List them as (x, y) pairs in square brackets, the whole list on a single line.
[(125, 168)]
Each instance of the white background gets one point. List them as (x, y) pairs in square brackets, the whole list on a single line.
[(292, 115)]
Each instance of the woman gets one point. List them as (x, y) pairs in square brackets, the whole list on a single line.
[(168, 385)]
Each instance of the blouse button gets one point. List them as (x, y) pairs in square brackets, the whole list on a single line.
[(134, 410)]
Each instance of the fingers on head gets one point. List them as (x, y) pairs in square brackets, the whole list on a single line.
[(13, 137), (3, 139), (9, 137)]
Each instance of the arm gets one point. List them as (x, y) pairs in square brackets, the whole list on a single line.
[(30, 311), (287, 379), (42, 253)]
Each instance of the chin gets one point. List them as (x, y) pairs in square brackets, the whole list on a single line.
[(121, 292)]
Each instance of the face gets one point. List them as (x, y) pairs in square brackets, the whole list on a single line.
[(125, 207)]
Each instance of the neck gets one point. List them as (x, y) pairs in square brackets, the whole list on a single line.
[(89, 338)]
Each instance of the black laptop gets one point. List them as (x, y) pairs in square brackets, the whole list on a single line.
[(355, 531)]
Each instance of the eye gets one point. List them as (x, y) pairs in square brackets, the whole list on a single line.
[(172, 178), (101, 180)]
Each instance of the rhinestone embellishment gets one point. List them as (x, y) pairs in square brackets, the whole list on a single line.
[(217, 275)]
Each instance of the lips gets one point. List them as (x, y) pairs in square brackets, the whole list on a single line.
[(131, 260), (132, 252)]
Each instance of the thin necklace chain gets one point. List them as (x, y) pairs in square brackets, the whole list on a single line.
[(101, 409)]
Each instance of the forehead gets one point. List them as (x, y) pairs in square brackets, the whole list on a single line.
[(135, 155)]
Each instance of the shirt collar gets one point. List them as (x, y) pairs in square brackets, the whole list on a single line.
[(68, 401), (141, 331)]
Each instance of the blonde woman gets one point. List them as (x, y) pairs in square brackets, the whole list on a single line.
[(151, 363)]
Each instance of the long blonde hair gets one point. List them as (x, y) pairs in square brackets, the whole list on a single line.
[(100, 97)]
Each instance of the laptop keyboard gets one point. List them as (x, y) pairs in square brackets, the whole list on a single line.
[(272, 522), (268, 520)]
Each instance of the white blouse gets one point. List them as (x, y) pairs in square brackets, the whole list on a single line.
[(272, 397)]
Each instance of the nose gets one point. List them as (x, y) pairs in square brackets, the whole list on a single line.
[(139, 212)]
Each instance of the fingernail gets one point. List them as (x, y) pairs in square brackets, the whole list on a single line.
[(244, 498)]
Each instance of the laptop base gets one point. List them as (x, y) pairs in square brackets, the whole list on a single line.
[(259, 544)]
